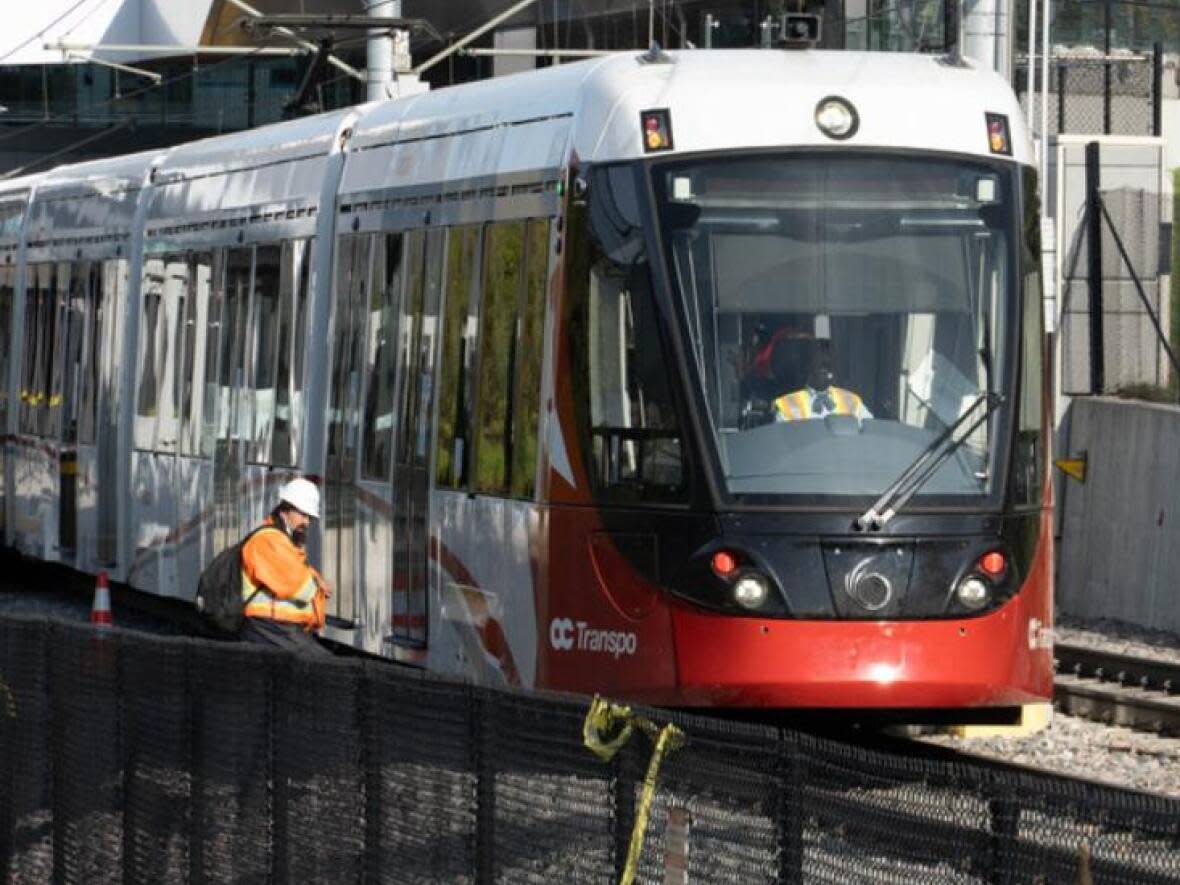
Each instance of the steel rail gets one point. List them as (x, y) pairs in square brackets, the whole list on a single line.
[(1118, 689)]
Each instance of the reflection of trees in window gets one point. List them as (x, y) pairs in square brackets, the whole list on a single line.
[(502, 278), (530, 353), (458, 339)]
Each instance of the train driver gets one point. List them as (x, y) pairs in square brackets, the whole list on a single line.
[(819, 397), (284, 596)]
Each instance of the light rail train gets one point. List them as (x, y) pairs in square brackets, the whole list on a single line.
[(538, 338)]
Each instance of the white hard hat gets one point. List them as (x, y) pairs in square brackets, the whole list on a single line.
[(303, 495)]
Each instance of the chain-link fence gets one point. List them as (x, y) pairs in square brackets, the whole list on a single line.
[(1134, 307), (131, 758), (1093, 95)]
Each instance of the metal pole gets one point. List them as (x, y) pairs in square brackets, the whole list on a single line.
[(1157, 88), (379, 51), (1094, 275)]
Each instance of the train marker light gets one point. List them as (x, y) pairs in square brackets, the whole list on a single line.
[(724, 563), (972, 592), (751, 590), (997, 134), (993, 564), (836, 118), (657, 129)]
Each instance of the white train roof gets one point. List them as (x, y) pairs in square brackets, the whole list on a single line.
[(719, 100)]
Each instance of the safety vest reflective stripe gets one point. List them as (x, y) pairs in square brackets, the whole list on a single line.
[(794, 406), (297, 610)]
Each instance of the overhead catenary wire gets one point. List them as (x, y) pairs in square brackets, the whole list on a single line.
[(41, 33)]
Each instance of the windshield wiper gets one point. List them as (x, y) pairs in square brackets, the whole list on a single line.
[(926, 464)]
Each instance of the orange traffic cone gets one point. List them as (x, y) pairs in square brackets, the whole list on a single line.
[(100, 611)]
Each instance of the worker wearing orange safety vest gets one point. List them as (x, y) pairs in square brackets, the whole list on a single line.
[(284, 597)]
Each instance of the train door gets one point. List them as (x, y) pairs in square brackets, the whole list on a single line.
[(411, 462), (374, 507), (344, 407), (232, 406)]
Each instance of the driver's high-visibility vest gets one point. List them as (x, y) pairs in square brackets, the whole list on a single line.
[(799, 404)]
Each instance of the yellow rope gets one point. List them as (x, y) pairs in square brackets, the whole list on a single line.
[(606, 729)]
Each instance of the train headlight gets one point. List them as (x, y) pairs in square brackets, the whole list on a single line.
[(751, 590), (836, 118), (973, 592)]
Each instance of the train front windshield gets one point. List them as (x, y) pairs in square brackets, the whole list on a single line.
[(844, 312)]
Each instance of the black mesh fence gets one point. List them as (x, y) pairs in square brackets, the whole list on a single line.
[(1094, 95), (131, 758)]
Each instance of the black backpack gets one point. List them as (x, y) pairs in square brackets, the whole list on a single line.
[(219, 589)]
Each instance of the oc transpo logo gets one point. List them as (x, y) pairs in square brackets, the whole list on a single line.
[(566, 634)]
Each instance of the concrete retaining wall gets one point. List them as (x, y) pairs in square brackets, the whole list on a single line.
[(1119, 553)]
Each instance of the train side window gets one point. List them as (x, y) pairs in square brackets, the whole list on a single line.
[(267, 337), (380, 365), (427, 345), (1028, 466), (234, 408), (170, 329), (530, 354), (46, 310), (195, 325), (90, 367), (7, 295), (56, 352), (409, 331), (77, 313), (620, 371), (146, 400), (503, 276), (458, 349), (291, 345), (28, 368), (211, 399)]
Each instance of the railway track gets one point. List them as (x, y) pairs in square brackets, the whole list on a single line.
[(1139, 693)]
